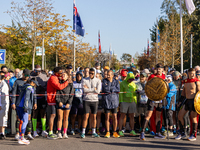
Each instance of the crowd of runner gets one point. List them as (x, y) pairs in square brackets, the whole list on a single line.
[(96, 102)]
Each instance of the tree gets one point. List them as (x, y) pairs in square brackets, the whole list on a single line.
[(126, 57)]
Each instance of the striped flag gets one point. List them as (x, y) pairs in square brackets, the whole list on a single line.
[(99, 43), (148, 48), (158, 35), (190, 6)]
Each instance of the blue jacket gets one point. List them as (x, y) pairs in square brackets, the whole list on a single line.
[(12, 81), (26, 97), (171, 97), (110, 100)]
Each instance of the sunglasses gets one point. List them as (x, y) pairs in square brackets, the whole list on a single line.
[(91, 73), (26, 75), (198, 74)]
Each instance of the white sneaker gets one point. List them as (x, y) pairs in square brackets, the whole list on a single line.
[(59, 136), (17, 137), (35, 134), (65, 136), (29, 136), (44, 133), (24, 142), (192, 138)]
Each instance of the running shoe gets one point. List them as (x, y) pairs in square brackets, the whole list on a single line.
[(59, 135), (174, 132), (29, 137), (2, 137), (24, 141), (169, 133), (152, 133), (142, 136), (180, 136), (72, 132), (98, 132), (107, 135), (65, 136), (17, 137), (90, 132), (82, 135), (52, 137), (192, 138), (132, 133), (115, 135), (159, 136), (121, 133), (44, 133), (95, 135), (163, 129), (146, 130), (123, 129), (35, 134)]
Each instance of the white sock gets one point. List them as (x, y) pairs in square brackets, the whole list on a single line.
[(93, 130), (83, 131)]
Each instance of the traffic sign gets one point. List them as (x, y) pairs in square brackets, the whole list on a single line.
[(2, 56), (39, 51)]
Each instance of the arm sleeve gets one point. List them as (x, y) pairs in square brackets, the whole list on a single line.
[(27, 98), (55, 83), (71, 96), (14, 91), (98, 88)]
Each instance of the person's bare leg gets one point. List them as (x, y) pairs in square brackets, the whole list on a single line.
[(107, 116), (121, 120), (114, 117)]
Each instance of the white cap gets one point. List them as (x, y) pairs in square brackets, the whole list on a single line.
[(146, 71)]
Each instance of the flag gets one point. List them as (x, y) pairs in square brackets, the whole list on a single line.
[(110, 52), (99, 43), (158, 35), (148, 48), (190, 6), (77, 23)]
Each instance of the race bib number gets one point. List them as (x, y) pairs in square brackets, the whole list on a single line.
[(143, 99), (78, 93)]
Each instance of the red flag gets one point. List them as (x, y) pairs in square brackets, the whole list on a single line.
[(99, 43), (148, 48)]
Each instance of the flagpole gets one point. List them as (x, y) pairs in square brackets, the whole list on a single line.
[(157, 41), (74, 52), (181, 32), (191, 52)]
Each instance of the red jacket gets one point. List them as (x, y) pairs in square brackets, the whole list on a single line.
[(52, 86), (155, 75)]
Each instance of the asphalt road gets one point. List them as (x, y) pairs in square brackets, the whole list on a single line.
[(75, 142)]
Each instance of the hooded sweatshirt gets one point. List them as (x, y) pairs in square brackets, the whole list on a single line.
[(130, 88)]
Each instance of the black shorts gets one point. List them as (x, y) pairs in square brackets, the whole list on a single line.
[(41, 103), (87, 106), (189, 105), (151, 104), (113, 111), (57, 107), (51, 109)]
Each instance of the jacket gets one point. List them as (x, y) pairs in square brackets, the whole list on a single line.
[(111, 99), (4, 100), (142, 98), (171, 97), (90, 93), (130, 88), (52, 86), (26, 97), (12, 81), (18, 84), (65, 99)]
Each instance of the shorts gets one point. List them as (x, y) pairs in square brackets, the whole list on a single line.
[(113, 111), (151, 106), (57, 107), (51, 109), (87, 106), (128, 107), (77, 109), (41, 103), (142, 110), (29, 111), (189, 105)]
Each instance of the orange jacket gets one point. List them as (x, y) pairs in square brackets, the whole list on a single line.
[(52, 86)]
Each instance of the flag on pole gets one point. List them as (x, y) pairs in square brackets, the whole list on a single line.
[(99, 43), (133, 61), (77, 23), (190, 6), (148, 48), (158, 35)]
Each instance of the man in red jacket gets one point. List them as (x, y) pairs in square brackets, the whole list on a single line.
[(151, 105), (52, 86)]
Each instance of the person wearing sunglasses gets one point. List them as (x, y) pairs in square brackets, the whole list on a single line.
[(41, 101), (16, 91), (198, 74), (91, 87)]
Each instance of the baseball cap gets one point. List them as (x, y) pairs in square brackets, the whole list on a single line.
[(144, 74), (176, 73), (123, 73), (98, 71), (50, 72), (26, 72), (146, 71), (106, 68), (69, 67), (172, 69)]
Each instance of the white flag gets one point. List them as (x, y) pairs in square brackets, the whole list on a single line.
[(190, 6)]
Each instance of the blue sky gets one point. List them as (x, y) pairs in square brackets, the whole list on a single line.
[(123, 24)]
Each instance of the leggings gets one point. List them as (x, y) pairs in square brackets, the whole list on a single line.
[(23, 117)]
